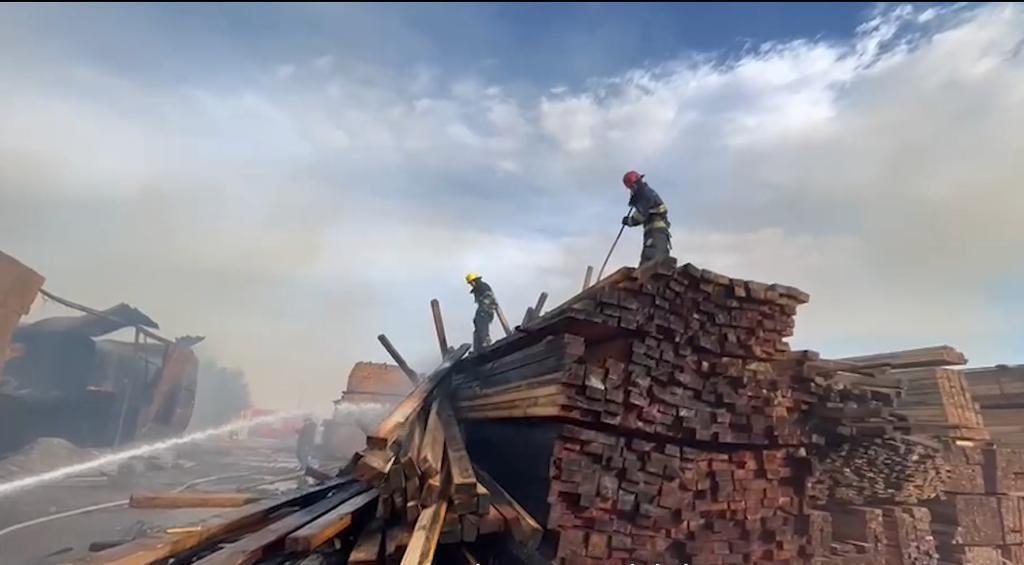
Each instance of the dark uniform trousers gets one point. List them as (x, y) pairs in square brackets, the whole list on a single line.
[(657, 245), (482, 328)]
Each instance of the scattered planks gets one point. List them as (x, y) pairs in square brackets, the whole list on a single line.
[(317, 532), (252, 547), (159, 546), (190, 499)]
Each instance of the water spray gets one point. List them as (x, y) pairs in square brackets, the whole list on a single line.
[(62, 472)]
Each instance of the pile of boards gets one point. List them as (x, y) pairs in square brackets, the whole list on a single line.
[(659, 416)]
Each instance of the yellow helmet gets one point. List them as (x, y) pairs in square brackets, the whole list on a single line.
[(472, 277)]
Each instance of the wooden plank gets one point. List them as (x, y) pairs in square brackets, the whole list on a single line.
[(937, 356), (191, 499), (538, 308), (252, 547), (587, 277), (522, 394), (373, 465), (423, 542), (368, 546), (492, 522), (155, 547), (463, 477), (442, 337), (502, 319), (317, 532), (524, 528), (533, 412), (431, 451), (436, 487), (399, 360), (390, 428)]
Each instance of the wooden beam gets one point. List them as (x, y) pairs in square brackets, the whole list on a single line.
[(423, 542), (432, 449), (442, 338), (539, 307), (463, 477), (937, 356), (373, 465), (252, 547), (503, 320), (191, 499), (524, 528), (435, 488), (406, 410), (587, 277), (399, 360), (367, 548), (163, 545), (317, 532), (527, 316)]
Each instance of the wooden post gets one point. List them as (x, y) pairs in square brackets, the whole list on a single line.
[(586, 279), (442, 338), (383, 339), (540, 304), (528, 316), (504, 321)]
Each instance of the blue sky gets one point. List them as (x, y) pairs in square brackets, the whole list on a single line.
[(291, 180)]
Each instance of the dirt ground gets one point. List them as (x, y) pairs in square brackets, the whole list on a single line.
[(230, 465)]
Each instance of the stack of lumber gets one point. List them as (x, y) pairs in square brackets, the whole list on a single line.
[(999, 392), (901, 469), (847, 408), (908, 536), (658, 416), (936, 401), (883, 534), (614, 498), (980, 511), (684, 354)]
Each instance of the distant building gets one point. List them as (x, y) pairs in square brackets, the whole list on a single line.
[(375, 382)]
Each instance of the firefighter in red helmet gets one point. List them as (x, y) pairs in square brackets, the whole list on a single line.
[(650, 211)]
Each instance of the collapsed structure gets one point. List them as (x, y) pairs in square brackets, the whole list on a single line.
[(659, 416), (59, 379)]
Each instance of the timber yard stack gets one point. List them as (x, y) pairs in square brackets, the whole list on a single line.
[(999, 392), (668, 434), (659, 416)]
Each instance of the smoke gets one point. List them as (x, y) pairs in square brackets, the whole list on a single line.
[(222, 395)]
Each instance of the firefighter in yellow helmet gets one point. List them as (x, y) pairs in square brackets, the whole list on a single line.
[(486, 305)]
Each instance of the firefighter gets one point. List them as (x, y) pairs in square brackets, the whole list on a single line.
[(486, 305), (306, 442), (650, 211)]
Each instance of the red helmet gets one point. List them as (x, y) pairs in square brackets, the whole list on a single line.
[(631, 178)]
